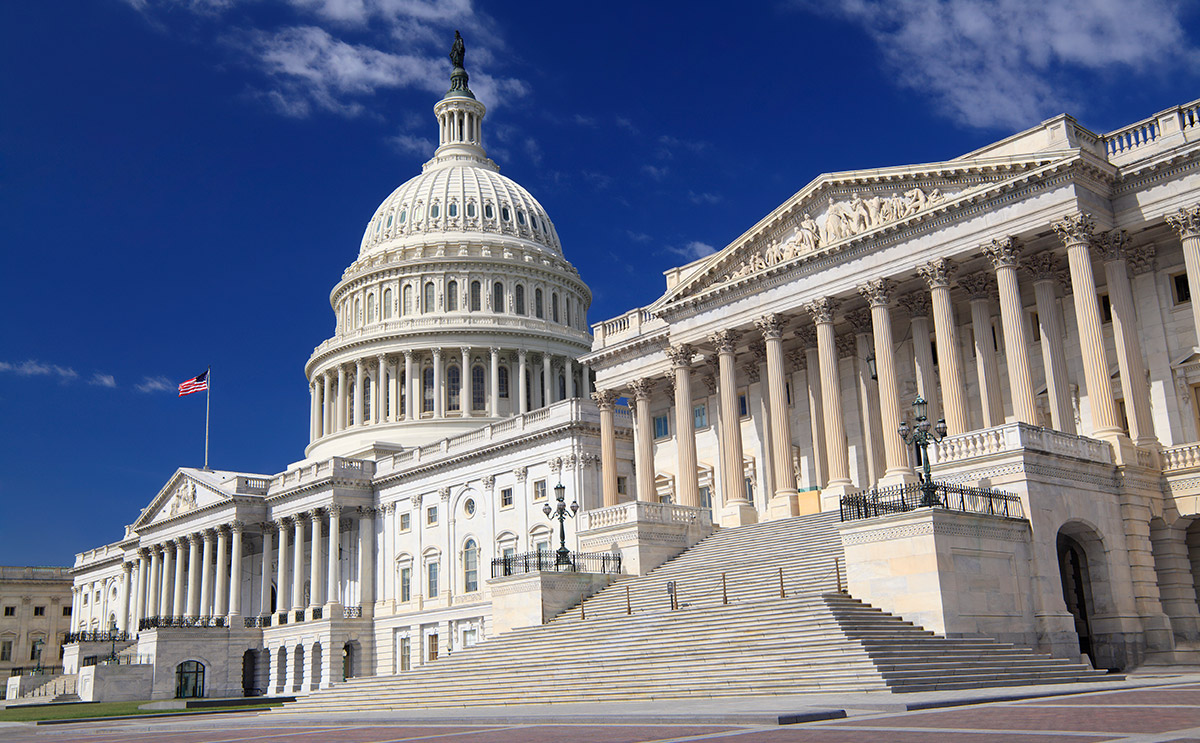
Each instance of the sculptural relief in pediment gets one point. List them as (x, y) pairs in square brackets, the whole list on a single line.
[(840, 220), (184, 498)]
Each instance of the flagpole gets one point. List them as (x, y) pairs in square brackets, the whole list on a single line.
[(207, 407)]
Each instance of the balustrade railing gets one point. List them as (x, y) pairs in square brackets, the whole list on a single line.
[(181, 622), (251, 622), (96, 636), (1184, 457), (352, 612), (547, 561), (911, 496)]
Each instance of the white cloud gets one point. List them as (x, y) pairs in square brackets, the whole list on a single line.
[(655, 172), (627, 125), (1012, 63), (420, 146), (103, 380), (156, 384), (533, 151), (638, 237), (703, 198), (33, 368), (693, 250)]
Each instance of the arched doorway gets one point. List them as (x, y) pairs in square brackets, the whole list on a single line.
[(189, 680), (298, 668), (347, 661), (1077, 591), (249, 671), (314, 677)]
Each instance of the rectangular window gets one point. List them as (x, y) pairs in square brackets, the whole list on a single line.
[(705, 497), (700, 416), (5, 649), (10, 611), (1105, 309), (431, 516), (622, 485), (66, 611), (743, 405), (405, 654), (433, 646), (33, 652), (1180, 288), (39, 611), (661, 429), (405, 521), (1035, 325), (468, 637), (787, 387), (433, 580), (406, 584), (506, 497), (542, 546), (539, 489), (750, 488)]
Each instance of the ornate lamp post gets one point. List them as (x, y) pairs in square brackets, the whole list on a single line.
[(920, 436), (38, 644), (560, 511), (112, 636)]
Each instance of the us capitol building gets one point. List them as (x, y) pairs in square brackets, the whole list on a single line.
[(1037, 294)]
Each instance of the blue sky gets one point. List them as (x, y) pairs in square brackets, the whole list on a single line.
[(182, 182)]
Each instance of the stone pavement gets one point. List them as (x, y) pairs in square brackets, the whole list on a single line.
[(1144, 709)]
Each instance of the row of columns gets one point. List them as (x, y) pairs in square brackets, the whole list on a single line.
[(1077, 234), (334, 407), (323, 579), (200, 586)]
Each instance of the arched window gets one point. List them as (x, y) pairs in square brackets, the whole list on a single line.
[(519, 298), (452, 296), (427, 387), (504, 214), (387, 304), (471, 209), (189, 680), (427, 302), (433, 211), (452, 210), (537, 304), (370, 308), (476, 299), (567, 306), (408, 299), (562, 387), (497, 297), (554, 307), (470, 566), (352, 406), (368, 388), (357, 312), (403, 394), (453, 387), (487, 211), (503, 382), (478, 399)]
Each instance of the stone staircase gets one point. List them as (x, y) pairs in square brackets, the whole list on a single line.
[(60, 688), (631, 644)]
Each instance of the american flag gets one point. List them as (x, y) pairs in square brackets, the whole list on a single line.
[(195, 384)]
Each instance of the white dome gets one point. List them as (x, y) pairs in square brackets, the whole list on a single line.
[(467, 197)]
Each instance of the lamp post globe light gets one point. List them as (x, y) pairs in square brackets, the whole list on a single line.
[(920, 435), (560, 511)]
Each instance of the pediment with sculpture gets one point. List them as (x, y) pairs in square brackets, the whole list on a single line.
[(181, 495)]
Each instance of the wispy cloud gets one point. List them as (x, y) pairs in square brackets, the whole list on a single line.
[(693, 250), (533, 151), (407, 143), (1012, 63), (155, 384), (103, 380), (703, 198), (656, 172), (627, 125), (32, 368), (638, 237)]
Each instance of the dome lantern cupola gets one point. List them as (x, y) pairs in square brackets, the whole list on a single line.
[(460, 118)]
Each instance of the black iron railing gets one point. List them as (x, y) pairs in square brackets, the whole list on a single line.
[(96, 636), (257, 621), (35, 671), (352, 612), (318, 612), (911, 496), (180, 622), (298, 615), (547, 561)]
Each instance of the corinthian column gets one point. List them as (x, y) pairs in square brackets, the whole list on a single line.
[(878, 292), (917, 304), (206, 574), (366, 560), (644, 433), (167, 581), (737, 509), (380, 386), (522, 390), (177, 605), (1047, 274), (466, 387), (412, 398), (979, 288), (340, 423), (838, 464), (281, 575), (193, 588), (868, 393), (1076, 233), (235, 568), (1111, 247), (807, 336), (298, 562), (123, 615), (605, 401), (314, 557), (327, 405), (494, 395), (785, 500), (1187, 223), (360, 371), (547, 381), (333, 569), (1005, 254), (264, 595), (938, 275), (687, 486), (221, 597)]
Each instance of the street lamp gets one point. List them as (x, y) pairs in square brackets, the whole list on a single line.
[(560, 511), (38, 644), (920, 436), (112, 636)]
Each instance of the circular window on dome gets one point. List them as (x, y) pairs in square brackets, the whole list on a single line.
[(521, 218), (505, 215), (403, 215), (487, 212), (434, 211), (470, 210), (469, 506), (452, 210)]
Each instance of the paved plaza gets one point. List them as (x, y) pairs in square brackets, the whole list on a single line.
[(1141, 711)]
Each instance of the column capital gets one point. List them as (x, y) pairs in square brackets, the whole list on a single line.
[(237, 527), (1075, 228), (389, 507), (846, 346), (1142, 258), (797, 358), (437, 353), (520, 473), (877, 292), (917, 303), (680, 356), (209, 535), (182, 541), (938, 274), (314, 516), (1004, 252), (282, 522), (521, 354), (1186, 221), (368, 512), (1110, 246), (408, 354), (126, 568), (859, 319), (489, 482), (495, 351), (466, 350), (358, 365), (751, 370), (771, 326), (605, 399), (1044, 266), (641, 389), (822, 309), (334, 510), (725, 340), (807, 335), (143, 553), (978, 285)]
